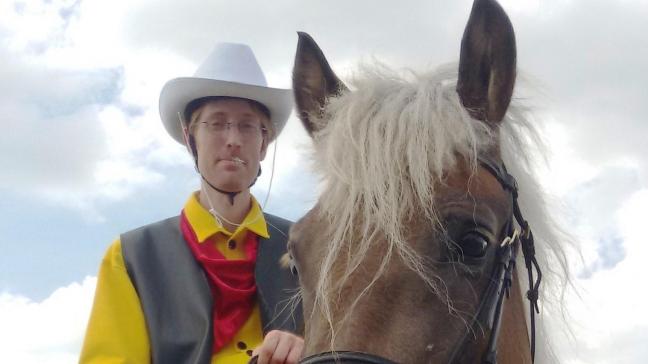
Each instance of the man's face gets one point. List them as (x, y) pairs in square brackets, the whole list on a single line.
[(229, 157)]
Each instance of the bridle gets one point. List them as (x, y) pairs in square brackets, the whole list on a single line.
[(489, 311)]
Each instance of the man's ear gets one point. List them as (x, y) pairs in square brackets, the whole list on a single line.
[(185, 136), (264, 148), (189, 141)]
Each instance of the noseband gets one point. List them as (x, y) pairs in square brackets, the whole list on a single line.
[(489, 312)]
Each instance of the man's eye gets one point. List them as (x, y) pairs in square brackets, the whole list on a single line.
[(247, 126), (216, 124)]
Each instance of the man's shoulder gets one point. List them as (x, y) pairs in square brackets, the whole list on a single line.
[(164, 226), (277, 223), (277, 219), (156, 224)]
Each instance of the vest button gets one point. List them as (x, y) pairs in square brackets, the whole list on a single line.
[(241, 345), (231, 244)]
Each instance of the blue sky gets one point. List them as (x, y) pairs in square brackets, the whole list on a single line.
[(85, 155)]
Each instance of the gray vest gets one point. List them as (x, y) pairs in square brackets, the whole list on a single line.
[(176, 298)]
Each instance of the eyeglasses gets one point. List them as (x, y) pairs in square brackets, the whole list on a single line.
[(247, 129)]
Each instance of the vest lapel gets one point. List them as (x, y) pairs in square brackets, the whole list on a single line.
[(276, 286), (174, 292)]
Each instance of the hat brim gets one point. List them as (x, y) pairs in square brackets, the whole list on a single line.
[(179, 92)]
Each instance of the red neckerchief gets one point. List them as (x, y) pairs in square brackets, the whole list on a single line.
[(231, 280)]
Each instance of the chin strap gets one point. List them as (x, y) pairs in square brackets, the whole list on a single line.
[(231, 195)]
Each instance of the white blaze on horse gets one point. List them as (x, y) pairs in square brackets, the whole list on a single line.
[(410, 252)]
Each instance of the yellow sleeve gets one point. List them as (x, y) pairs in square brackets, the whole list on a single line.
[(116, 331)]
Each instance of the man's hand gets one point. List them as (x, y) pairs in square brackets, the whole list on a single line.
[(279, 347)]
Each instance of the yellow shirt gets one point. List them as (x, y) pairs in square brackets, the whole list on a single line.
[(117, 330)]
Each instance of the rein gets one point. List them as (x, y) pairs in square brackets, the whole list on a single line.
[(489, 311)]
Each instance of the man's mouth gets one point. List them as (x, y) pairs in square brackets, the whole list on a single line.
[(238, 160)]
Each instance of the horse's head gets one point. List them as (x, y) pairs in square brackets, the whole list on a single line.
[(397, 257)]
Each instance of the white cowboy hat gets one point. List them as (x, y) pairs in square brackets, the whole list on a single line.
[(229, 70)]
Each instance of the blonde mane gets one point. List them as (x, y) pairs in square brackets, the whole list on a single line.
[(380, 152)]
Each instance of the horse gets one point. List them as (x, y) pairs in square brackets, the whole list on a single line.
[(411, 249)]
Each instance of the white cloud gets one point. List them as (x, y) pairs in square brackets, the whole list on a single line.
[(33, 24), (50, 331), (524, 6), (564, 160), (35, 148), (608, 321), (608, 199), (590, 65), (79, 112)]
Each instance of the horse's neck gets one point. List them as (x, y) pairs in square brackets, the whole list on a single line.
[(513, 345)]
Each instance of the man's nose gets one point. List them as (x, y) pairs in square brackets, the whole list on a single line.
[(233, 135)]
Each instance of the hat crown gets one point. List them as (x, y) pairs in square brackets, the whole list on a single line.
[(230, 70), (234, 63)]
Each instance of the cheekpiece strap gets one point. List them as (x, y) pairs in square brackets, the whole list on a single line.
[(508, 182)]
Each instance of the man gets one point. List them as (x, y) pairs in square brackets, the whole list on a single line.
[(206, 286)]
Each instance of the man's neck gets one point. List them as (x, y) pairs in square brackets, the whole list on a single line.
[(234, 213)]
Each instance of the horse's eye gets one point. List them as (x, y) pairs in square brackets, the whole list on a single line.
[(293, 266), (288, 259), (468, 248), (472, 245)]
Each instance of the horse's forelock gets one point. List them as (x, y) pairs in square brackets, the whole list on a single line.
[(386, 144)]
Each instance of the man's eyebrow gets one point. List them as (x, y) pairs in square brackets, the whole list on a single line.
[(224, 113), (216, 113)]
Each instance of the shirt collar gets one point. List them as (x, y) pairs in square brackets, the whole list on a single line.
[(205, 225)]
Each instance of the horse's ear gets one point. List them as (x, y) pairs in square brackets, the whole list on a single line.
[(313, 82), (487, 62)]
